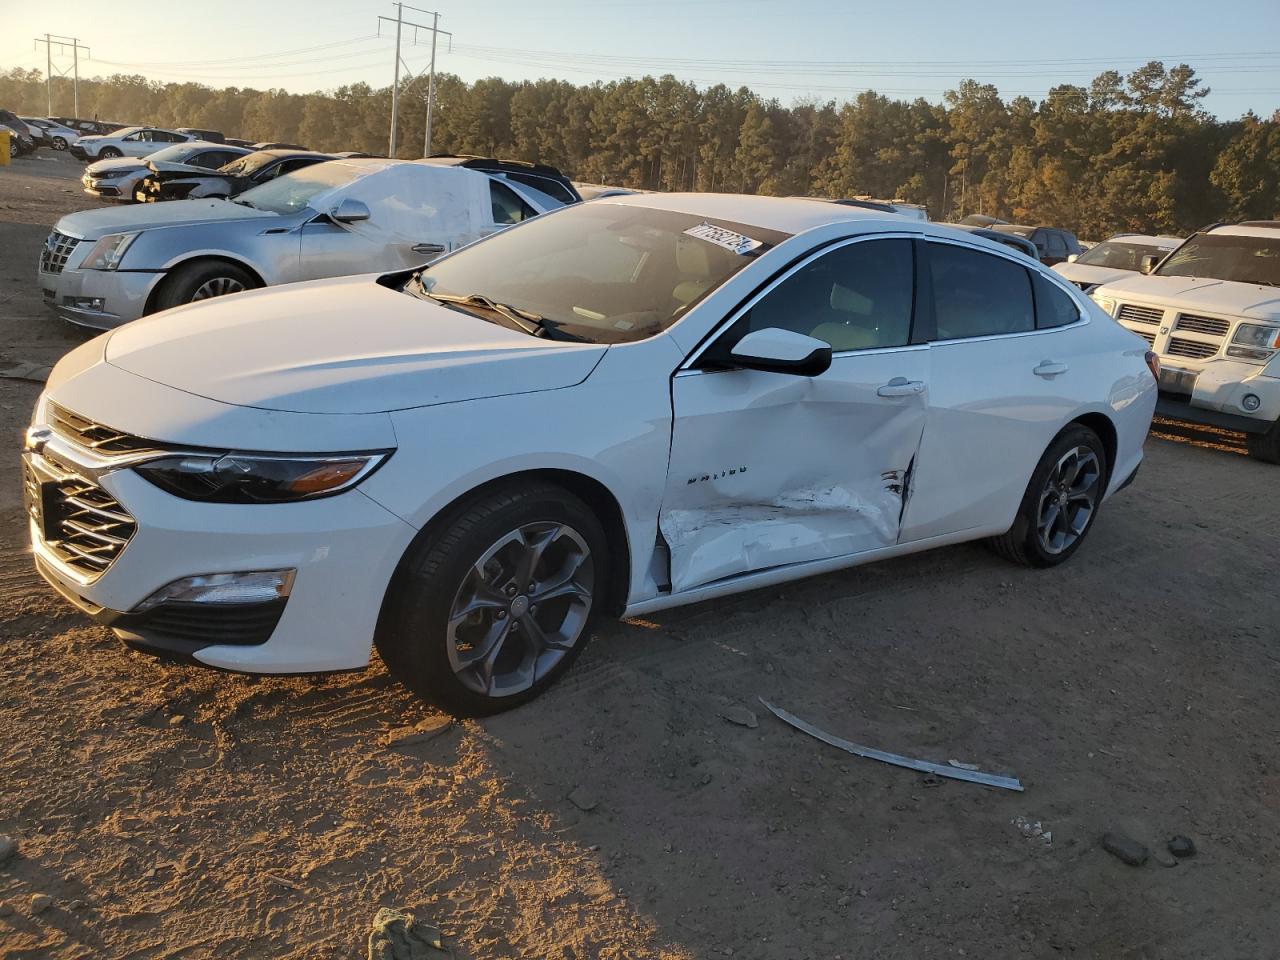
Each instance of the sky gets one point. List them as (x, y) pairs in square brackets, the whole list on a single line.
[(795, 50)]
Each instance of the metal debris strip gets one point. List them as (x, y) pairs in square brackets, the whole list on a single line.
[(924, 766)]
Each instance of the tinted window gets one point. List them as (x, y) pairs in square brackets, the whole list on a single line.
[(978, 294), (210, 159), (507, 207), (1054, 307), (1057, 246), (855, 298)]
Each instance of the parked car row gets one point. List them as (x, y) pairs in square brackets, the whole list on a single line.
[(709, 393)]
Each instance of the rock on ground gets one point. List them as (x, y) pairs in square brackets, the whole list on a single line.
[(1125, 848), (398, 935)]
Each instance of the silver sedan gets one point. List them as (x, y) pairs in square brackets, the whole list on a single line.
[(118, 179)]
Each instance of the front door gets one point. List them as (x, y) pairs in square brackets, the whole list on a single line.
[(769, 468)]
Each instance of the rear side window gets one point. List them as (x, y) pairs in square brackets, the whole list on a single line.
[(507, 206), (1054, 308), (978, 294)]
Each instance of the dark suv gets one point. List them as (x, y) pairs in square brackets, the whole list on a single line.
[(1052, 243)]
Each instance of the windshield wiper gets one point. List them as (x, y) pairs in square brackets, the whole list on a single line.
[(531, 323), (244, 203)]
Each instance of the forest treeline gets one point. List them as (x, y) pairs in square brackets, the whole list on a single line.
[(1127, 152)]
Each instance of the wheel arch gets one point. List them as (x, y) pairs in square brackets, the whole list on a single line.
[(598, 497), (1105, 428), (196, 258)]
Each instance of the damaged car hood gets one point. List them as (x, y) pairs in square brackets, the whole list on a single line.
[(1192, 293), (340, 347), (94, 224)]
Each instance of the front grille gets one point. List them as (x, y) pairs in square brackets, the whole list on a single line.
[(95, 436), (1136, 314), (81, 524), (54, 253), (1147, 335), (1193, 349), (1210, 325)]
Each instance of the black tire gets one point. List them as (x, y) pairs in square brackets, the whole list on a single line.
[(59, 143), (13, 148), (109, 153), (184, 284), (1265, 446), (1023, 543), (413, 635)]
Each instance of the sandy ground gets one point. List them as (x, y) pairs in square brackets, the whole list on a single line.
[(173, 812)]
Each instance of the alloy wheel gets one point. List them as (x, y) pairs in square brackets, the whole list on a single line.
[(520, 608), (217, 287), (1069, 499)]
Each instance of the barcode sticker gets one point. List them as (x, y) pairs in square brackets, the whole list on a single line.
[(733, 242)]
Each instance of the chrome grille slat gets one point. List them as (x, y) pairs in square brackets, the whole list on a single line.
[(1147, 335), (98, 511), (84, 526), (56, 250), (93, 435), (1137, 314), (1196, 324), (71, 523), (1192, 349)]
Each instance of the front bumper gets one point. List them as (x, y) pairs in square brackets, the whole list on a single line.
[(111, 188), (77, 151), (1220, 393), (344, 550), (121, 295)]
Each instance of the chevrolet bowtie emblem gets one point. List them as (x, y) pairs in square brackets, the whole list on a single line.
[(37, 438)]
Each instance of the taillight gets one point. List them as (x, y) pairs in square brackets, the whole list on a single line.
[(1153, 363)]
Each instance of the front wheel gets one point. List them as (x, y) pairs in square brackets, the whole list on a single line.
[(1061, 503), (109, 153), (1265, 446), (59, 143), (493, 606), (200, 280)]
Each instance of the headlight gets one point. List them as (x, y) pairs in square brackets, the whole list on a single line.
[(1256, 335), (257, 478), (106, 174), (1107, 304), (108, 252)]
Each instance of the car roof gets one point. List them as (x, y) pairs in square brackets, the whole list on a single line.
[(785, 214), (1250, 228), (281, 151), (1146, 238)]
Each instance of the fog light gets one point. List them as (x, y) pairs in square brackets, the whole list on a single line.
[(260, 586), (87, 303), (1251, 402)]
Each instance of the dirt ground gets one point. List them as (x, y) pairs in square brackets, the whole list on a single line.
[(174, 812)]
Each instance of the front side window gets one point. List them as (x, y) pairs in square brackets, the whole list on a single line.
[(978, 294), (605, 273), (1224, 256), (1056, 244), (858, 297)]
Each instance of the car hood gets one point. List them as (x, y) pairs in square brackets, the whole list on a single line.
[(342, 346), (1191, 293), (93, 224), (174, 166), (118, 163), (1087, 273)]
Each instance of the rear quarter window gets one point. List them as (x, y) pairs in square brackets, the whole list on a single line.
[(1054, 306)]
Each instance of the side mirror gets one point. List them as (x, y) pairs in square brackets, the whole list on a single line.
[(775, 350), (349, 211), (1073, 258), (1148, 263)]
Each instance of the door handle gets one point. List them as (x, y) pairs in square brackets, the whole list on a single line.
[(901, 387), (1049, 369), (427, 248)]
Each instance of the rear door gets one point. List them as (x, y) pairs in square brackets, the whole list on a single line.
[(769, 468), (1006, 354)]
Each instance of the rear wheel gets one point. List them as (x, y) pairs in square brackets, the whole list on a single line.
[(494, 606), (1061, 502), (109, 153), (59, 143), (201, 280), (1265, 446)]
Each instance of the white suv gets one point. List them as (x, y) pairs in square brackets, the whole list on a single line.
[(1211, 311)]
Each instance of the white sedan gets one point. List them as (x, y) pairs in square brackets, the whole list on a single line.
[(615, 408)]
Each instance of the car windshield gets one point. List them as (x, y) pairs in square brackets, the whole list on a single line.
[(601, 272), (290, 192), (1224, 256), (125, 132), (1121, 255), (247, 165), (174, 154)]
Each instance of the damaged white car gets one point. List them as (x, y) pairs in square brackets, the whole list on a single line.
[(616, 408)]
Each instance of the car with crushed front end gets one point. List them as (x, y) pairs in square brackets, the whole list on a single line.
[(618, 407), (101, 268), (119, 179), (250, 169)]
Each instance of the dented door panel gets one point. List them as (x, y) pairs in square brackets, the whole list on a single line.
[(770, 469)]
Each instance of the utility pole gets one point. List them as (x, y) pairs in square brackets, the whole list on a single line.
[(434, 29), (50, 41)]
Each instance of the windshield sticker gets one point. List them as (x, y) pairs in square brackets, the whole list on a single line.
[(733, 242)]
